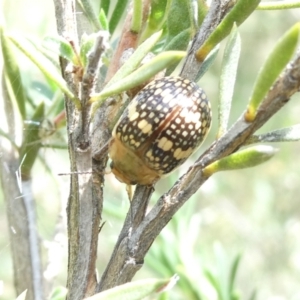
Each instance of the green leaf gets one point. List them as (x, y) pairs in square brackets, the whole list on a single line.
[(227, 79), (158, 14), (233, 272), (238, 14), (213, 280), (202, 11), (59, 293), (272, 5), (253, 295), (104, 4), (49, 54), (61, 47), (103, 20), (117, 14), (90, 13), (178, 18), (136, 290), (222, 271), (179, 42), (31, 141), (152, 260), (134, 61), (211, 57), (137, 15), (272, 68), (86, 44), (142, 74), (246, 158), (193, 15), (12, 72), (288, 134), (44, 65)]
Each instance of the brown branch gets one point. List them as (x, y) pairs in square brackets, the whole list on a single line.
[(128, 39), (133, 246), (87, 86), (216, 13), (189, 183), (136, 237), (120, 260), (86, 194), (85, 199)]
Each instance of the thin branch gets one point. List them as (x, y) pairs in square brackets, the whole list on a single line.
[(128, 39), (25, 245), (88, 84), (85, 199), (189, 183), (120, 261), (18, 229), (135, 240), (216, 13), (36, 264)]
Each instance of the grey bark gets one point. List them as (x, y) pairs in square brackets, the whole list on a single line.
[(20, 211), (86, 195)]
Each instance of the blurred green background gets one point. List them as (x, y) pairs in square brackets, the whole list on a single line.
[(255, 212)]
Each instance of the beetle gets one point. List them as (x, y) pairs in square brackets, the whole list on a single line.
[(161, 127)]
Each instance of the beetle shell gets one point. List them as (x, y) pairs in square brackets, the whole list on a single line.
[(161, 127)]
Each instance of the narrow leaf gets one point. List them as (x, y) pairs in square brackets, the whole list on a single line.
[(137, 15), (103, 20), (178, 18), (227, 79), (193, 14), (117, 14), (136, 290), (145, 72), (238, 14), (274, 5), (289, 134), (222, 270), (253, 295), (61, 47), (86, 44), (246, 158), (59, 293), (90, 13), (213, 280), (104, 4), (158, 14), (208, 62), (179, 42), (44, 65), (134, 61), (233, 272), (13, 75), (272, 68), (31, 141), (202, 11)]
